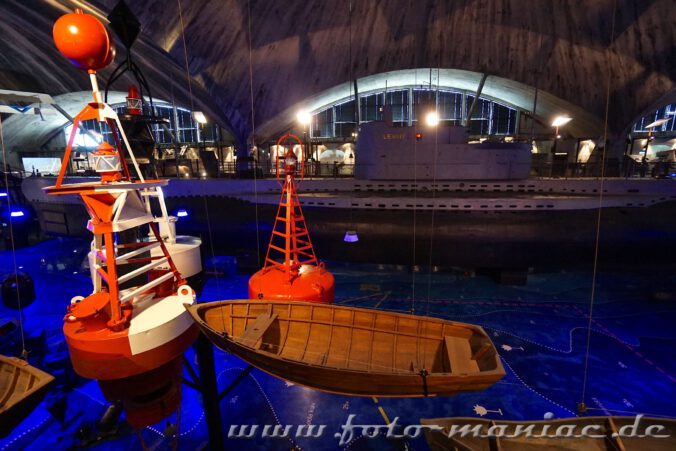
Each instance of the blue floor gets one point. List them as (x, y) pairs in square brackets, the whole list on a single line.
[(540, 329)]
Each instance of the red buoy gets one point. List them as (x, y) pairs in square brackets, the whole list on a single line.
[(134, 102), (291, 270), (84, 40)]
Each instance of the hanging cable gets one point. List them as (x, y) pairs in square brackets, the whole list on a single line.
[(185, 56), (6, 169), (535, 95), (175, 121), (434, 195), (192, 109), (415, 187), (176, 432), (582, 405), (253, 137), (351, 81), (139, 435)]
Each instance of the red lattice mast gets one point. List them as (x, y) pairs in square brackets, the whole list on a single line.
[(291, 270), (290, 245)]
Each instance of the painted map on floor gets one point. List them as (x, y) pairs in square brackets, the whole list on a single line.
[(542, 331)]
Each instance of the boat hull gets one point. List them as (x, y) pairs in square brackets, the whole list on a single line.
[(609, 431), (355, 383), (22, 387), (371, 380)]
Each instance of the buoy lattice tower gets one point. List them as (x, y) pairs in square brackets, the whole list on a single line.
[(291, 270)]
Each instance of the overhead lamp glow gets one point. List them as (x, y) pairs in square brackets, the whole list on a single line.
[(560, 121), (351, 236), (303, 117), (199, 117), (16, 214), (181, 213), (432, 119), (658, 122)]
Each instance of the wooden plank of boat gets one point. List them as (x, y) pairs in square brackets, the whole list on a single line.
[(445, 434), (22, 387), (351, 350)]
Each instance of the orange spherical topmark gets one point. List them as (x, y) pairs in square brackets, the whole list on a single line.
[(84, 40)]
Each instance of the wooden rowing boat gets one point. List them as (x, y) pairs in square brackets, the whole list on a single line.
[(612, 433), (22, 387), (351, 350)]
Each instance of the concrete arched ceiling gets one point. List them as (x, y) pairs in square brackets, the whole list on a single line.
[(299, 49), (511, 92), (25, 133), (29, 61)]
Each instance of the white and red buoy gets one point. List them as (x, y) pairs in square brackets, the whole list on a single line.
[(129, 338)]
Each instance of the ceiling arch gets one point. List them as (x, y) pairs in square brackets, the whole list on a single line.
[(577, 50), (514, 93), (29, 61), (30, 132)]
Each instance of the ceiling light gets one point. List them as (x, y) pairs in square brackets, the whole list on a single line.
[(303, 117), (561, 121), (432, 119), (199, 117), (658, 122)]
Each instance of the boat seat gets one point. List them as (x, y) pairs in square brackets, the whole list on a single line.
[(481, 352), (255, 331), (460, 356)]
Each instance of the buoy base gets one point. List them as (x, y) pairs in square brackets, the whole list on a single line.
[(118, 362), (149, 397), (311, 284), (159, 331)]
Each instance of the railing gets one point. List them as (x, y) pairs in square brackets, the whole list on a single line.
[(660, 169), (248, 168), (546, 168)]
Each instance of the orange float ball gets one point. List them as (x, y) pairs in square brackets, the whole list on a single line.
[(84, 40)]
